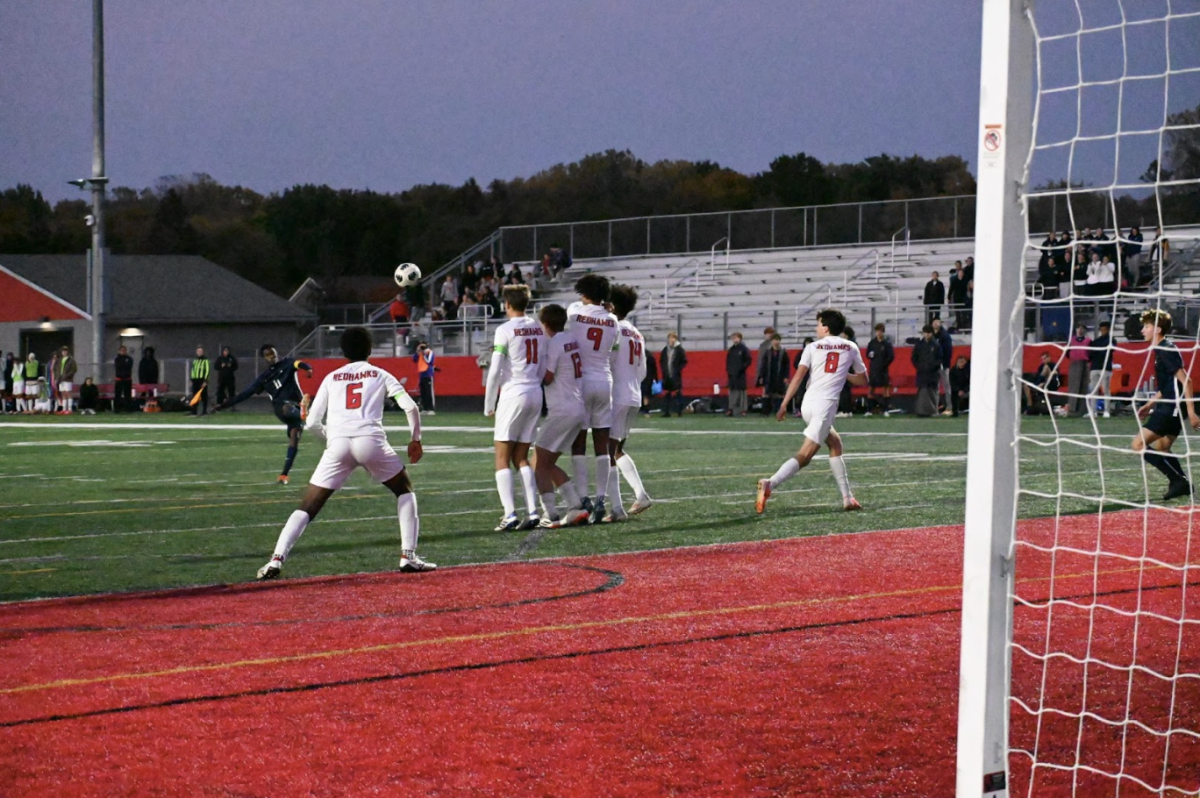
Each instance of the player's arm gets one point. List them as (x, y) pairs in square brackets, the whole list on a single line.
[(793, 387), (1188, 397), (858, 380), (315, 419), (493, 381), (1145, 409), (413, 413)]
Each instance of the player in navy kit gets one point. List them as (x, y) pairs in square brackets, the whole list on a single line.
[(281, 381), (1162, 413)]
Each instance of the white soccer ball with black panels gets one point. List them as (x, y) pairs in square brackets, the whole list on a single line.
[(407, 274)]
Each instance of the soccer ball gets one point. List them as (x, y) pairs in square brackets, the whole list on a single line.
[(407, 274)]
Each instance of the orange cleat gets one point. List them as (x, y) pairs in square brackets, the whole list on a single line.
[(282, 479), (764, 493), (851, 504)]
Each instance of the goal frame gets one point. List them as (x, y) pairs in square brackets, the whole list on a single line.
[(1005, 132)]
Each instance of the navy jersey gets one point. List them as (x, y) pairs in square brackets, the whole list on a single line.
[(1167, 363), (281, 382)]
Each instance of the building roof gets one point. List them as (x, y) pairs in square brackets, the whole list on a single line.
[(159, 289)]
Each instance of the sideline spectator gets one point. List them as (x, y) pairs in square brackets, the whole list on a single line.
[(424, 358), (774, 376), (1042, 380), (946, 345), (6, 390), (226, 381), (933, 298), (960, 385), (737, 363), (1100, 375), (880, 355), (122, 381), (673, 360), (65, 381), (648, 388), (89, 397), (148, 367), (927, 360), (18, 390), (32, 373), (762, 349), (1079, 360)]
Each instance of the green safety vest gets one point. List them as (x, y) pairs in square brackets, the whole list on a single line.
[(200, 369)]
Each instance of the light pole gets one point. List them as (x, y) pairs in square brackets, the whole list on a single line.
[(96, 184)]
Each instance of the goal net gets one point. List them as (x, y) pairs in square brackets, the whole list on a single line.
[(1081, 626)]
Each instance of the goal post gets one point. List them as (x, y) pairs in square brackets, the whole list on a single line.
[(1005, 131)]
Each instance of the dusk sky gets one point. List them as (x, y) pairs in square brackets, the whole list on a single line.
[(361, 94)]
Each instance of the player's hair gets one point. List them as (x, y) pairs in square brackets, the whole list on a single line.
[(833, 320), (357, 343), (776, 337), (554, 317), (262, 350), (593, 287), (880, 328), (1159, 318), (516, 297), (624, 299)]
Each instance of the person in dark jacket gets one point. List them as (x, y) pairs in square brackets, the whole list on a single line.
[(774, 376), (880, 354), (648, 382), (737, 363), (945, 343), (148, 367), (927, 360), (226, 366), (960, 385), (123, 381), (933, 298), (89, 397), (672, 360)]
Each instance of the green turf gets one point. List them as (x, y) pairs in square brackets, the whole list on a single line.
[(172, 507)]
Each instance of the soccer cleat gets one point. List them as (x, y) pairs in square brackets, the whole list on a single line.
[(586, 504), (1177, 488), (641, 505), (282, 479), (615, 517), (508, 523), (598, 511), (850, 504), (412, 563), (549, 523), (532, 522), (764, 493), (271, 569), (576, 516)]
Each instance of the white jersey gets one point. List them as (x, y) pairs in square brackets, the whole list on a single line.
[(829, 361), (595, 329), (521, 343), (628, 366), (564, 396), (352, 397)]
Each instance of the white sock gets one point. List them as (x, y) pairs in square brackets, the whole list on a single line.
[(530, 489), (838, 467), (580, 473), (629, 470), (410, 522), (549, 507), (614, 492), (504, 486), (786, 471), (603, 466), (570, 495), (292, 531)]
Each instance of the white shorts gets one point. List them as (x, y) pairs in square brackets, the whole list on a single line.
[(597, 406), (819, 415), (557, 433), (517, 416), (32, 389), (343, 455), (66, 387), (19, 389), (622, 422)]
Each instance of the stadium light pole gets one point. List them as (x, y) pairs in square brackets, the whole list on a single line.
[(96, 184)]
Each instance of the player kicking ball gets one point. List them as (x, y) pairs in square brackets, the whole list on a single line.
[(1163, 423), (352, 397), (831, 362), (514, 397)]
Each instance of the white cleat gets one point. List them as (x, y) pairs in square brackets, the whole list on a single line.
[(271, 569), (508, 523), (413, 563), (576, 516), (549, 523), (643, 504), (615, 517)]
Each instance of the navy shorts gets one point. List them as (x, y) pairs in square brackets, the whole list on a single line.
[(289, 413), (1164, 424)]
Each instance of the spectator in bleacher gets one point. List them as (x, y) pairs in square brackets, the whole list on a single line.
[(737, 363), (89, 397), (941, 336), (399, 313), (926, 358), (64, 384), (1160, 251), (1079, 272), (148, 367), (1131, 255), (122, 381), (560, 260), (488, 269), (958, 297), (449, 295), (414, 297), (966, 326), (1048, 277), (226, 366), (469, 283), (774, 375), (514, 276), (1106, 284), (547, 267), (1100, 371), (969, 268), (933, 298), (960, 385), (880, 354), (1079, 364), (673, 360)]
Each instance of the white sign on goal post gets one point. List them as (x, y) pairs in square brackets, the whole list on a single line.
[(1005, 131)]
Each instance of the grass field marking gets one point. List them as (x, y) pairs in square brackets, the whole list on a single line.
[(530, 631), (31, 571)]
